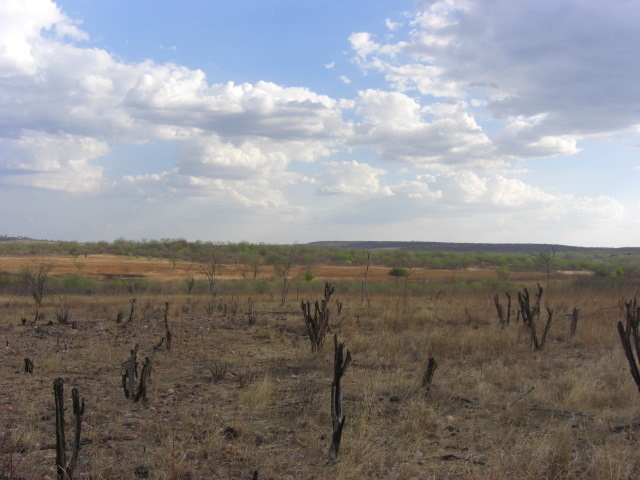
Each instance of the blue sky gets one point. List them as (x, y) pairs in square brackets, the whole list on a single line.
[(286, 121)]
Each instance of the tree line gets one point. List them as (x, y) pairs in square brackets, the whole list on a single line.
[(245, 253)]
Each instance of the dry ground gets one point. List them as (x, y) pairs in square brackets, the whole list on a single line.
[(107, 266), (232, 396)]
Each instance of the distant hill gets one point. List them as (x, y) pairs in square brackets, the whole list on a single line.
[(7, 238), (468, 247)]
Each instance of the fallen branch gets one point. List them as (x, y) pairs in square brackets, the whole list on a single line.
[(534, 408), (573, 413), (520, 397)]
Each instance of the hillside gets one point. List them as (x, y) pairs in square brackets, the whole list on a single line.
[(523, 248)]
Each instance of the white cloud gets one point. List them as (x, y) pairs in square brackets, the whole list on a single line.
[(466, 187), (575, 62), (498, 195), (363, 44), (391, 25), (55, 90), (427, 79), (395, 125), (471, 87), (56, 162), (21, 22), (520, 140), (352, 178)]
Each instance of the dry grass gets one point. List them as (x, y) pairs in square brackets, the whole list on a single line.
[(268, 409)]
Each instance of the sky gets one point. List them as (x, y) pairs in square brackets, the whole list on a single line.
[(291, 121)]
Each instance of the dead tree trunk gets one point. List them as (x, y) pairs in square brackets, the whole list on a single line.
[(427, 378), (78, 413), (531, 315), (546, 327), (629, 344), (365, 290), (574, 321), (132, 314), (66, 471), (528, 313), (317, 323), (328, 291), (28, 365), (250, 317), (144, 378), (340, 364), (167, 334), (130, 373), (500, 309), (61, 452)]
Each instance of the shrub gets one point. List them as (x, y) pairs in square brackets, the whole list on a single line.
[(399, 272)]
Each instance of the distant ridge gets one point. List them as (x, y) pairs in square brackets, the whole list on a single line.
[(467, 247), (8, 238)]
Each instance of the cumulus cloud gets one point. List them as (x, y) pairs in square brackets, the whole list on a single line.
[(576, 63), (352, 178), (472, 88), (497, 194), (21, 22), (210, 157), (520, 140), (256, 195), (56, 162), (441, 136), (468, 188), (63, 104)]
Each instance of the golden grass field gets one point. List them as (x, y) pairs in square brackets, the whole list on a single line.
[(233, 397)]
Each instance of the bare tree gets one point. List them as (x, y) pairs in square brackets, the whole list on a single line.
[(130, 285), (365, 291), (37, 281), (190, 282), (250, 264), (545, 260), (283, 269), (210, 271)]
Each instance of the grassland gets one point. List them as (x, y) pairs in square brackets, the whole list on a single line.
[(240, 393)]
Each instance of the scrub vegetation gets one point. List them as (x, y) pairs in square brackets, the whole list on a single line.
[(485, 365)]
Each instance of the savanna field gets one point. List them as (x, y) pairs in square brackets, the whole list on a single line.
[(236, 390)]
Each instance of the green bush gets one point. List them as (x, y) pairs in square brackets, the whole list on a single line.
[(399, 272)]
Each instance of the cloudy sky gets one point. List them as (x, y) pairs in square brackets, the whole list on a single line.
[(284, 121)]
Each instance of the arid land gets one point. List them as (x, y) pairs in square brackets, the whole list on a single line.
[(240, 394)]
